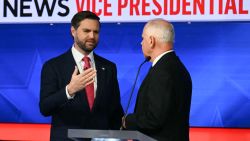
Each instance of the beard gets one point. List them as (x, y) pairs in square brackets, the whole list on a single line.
[(86, 48)]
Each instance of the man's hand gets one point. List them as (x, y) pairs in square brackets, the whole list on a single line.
[(80, 81), (123, 122)]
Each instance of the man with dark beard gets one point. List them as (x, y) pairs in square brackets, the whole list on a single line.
[(79, 89)]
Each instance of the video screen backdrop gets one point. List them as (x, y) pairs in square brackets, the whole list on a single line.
[(217, 55)]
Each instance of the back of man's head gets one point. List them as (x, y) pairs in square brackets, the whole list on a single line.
[(162, 30)]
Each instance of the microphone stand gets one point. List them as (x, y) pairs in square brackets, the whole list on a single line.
[(133, 87)]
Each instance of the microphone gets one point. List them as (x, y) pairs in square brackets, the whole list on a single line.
[(133, 86)]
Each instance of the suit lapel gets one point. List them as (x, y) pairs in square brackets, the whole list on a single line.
[(101, 74), (69, 65), (163, 60), (69, 68), (142, 87)]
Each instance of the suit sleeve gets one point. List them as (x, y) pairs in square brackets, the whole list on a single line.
[(116, 108), (51, 96), (157, 104)]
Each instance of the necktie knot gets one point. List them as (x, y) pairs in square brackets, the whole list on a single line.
[(86, 61)]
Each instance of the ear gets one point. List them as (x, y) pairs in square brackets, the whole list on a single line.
[(73, 31), (152, 41)]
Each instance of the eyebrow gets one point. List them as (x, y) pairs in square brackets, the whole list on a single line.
[(90, 29)]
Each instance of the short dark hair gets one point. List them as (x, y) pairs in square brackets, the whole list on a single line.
[(78, 17)]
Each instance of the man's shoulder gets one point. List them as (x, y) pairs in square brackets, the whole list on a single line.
[(60, 58)]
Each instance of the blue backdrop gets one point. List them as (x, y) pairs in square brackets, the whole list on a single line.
[(217, 54)]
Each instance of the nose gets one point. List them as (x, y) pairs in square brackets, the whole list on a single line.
[(91, 34)]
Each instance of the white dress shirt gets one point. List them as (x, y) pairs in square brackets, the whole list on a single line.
[(78, 56)]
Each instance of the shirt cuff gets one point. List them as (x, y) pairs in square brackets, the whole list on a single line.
[(67, 93)]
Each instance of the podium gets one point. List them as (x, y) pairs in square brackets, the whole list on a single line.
[(107, 135)]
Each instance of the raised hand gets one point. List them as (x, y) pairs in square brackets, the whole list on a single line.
[(80, 81)]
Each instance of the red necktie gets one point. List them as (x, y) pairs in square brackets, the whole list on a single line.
[(89, 88)]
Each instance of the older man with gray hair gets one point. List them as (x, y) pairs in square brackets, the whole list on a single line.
[(164, 98)]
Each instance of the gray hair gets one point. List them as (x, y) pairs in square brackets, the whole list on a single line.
[(161, 29)]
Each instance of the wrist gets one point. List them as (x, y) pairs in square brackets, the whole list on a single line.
[(70, 90)]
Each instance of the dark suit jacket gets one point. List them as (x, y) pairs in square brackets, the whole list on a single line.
[(75, 113), (163, 101)]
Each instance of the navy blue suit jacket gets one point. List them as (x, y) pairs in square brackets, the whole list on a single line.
[(75, 113)]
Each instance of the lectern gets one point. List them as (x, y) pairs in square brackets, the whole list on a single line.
[(107, 135)]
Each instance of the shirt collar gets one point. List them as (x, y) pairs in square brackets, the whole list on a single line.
[(79, 56), (159, 57)]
